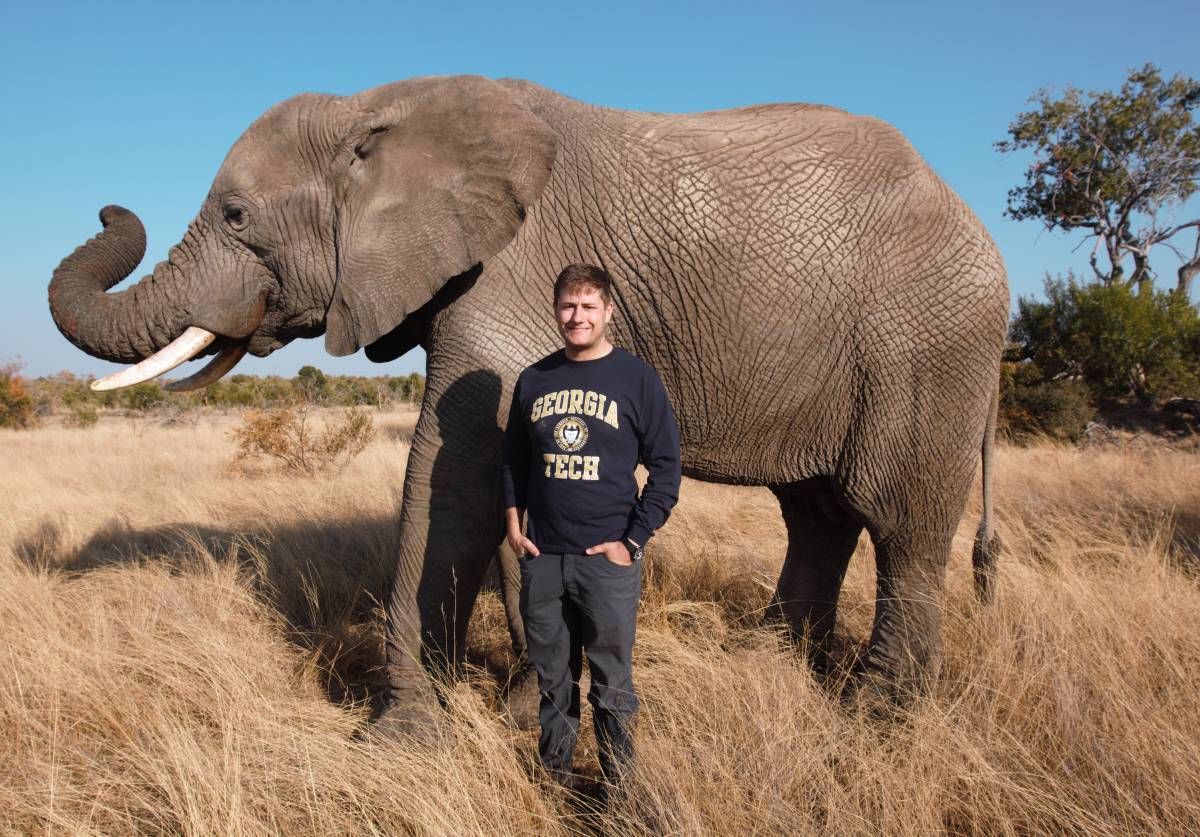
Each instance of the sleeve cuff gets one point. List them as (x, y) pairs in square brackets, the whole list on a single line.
[(638, 534)]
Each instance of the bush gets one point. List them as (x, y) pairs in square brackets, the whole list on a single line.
[(1120, 342), (411, 388), (234, 391), (1031, 405), (17, 408), (144, 396), (82, 416), (285, 436)]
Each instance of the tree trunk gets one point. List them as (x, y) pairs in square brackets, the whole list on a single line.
[(1186, 274)]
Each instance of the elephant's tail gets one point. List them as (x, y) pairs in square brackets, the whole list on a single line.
[(987, 542)]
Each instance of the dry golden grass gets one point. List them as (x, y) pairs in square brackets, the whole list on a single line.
[(191, 648)]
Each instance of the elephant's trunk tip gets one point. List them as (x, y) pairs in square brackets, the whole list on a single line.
[(112, 212), (118, 216), (103, 326)]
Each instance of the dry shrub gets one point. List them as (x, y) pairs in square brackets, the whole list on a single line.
[(287, 437), (17, 409), (170, 654)]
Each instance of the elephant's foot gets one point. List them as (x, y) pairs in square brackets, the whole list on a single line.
[(411, 718), (884, 690), (799, 634), (824, 658), (523, 698), (399, 725)]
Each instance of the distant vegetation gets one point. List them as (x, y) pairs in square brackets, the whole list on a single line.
[(1116, 167), (1094, 351), (24, 401), (1090, 353)]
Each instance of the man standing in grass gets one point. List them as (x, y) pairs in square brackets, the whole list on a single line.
[(581, 418)]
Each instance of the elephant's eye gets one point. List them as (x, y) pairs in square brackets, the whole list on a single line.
[(235, 217)]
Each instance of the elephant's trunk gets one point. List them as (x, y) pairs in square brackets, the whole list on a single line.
[(126, 326)]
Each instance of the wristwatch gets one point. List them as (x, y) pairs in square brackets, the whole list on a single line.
[(635, 552)]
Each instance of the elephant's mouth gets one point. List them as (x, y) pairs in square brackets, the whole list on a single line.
[(224, 361), (193, 343)]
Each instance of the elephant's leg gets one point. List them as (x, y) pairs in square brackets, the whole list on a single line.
[(821, 538), (907, 473), (523, 695), (509, 570), (904, 655), (450, 526), (914, 518)]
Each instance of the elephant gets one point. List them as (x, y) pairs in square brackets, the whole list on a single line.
[(826, 315)]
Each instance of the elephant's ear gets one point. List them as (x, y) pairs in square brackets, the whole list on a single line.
[(434, 179)]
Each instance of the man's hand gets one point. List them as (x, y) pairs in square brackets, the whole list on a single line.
[(520, 544), (614, 551)]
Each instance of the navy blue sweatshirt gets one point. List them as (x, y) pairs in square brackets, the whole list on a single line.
[(576, 431)]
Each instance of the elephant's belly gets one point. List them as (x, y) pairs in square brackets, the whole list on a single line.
[(774, 460)]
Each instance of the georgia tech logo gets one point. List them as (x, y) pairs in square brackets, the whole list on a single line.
[(571, 433)]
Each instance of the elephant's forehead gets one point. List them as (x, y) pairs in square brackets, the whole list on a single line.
[(270, 153)]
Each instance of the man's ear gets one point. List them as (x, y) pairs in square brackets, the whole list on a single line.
[(435, 177)]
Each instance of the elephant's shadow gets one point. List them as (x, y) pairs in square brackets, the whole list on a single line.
[(326, 579), (1184, 545)]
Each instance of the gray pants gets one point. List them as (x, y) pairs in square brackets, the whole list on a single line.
[(570, 603)]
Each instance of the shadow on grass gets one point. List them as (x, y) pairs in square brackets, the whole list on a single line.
[(325, 578), (1185, 541)]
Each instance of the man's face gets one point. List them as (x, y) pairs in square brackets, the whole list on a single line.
[(582, 316)]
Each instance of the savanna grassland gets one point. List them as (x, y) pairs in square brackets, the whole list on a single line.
[(191, 647)]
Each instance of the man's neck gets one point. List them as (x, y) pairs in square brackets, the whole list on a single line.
[(591, 352)]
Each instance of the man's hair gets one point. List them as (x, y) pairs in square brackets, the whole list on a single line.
[(575, 276)]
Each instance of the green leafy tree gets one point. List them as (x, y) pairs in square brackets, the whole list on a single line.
[(312, 384), (1115, 164), (1119, 342)]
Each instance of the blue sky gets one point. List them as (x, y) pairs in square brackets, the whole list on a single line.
[(137, 103)]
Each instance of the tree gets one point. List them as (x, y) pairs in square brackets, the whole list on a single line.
[(312, 384), (1117, 165)]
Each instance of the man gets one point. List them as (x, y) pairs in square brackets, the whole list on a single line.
[(580, 420)]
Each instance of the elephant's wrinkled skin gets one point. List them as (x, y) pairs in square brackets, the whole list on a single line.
[(827, 317)]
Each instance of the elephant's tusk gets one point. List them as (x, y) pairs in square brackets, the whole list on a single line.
[(184, 347), (216, 369)]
